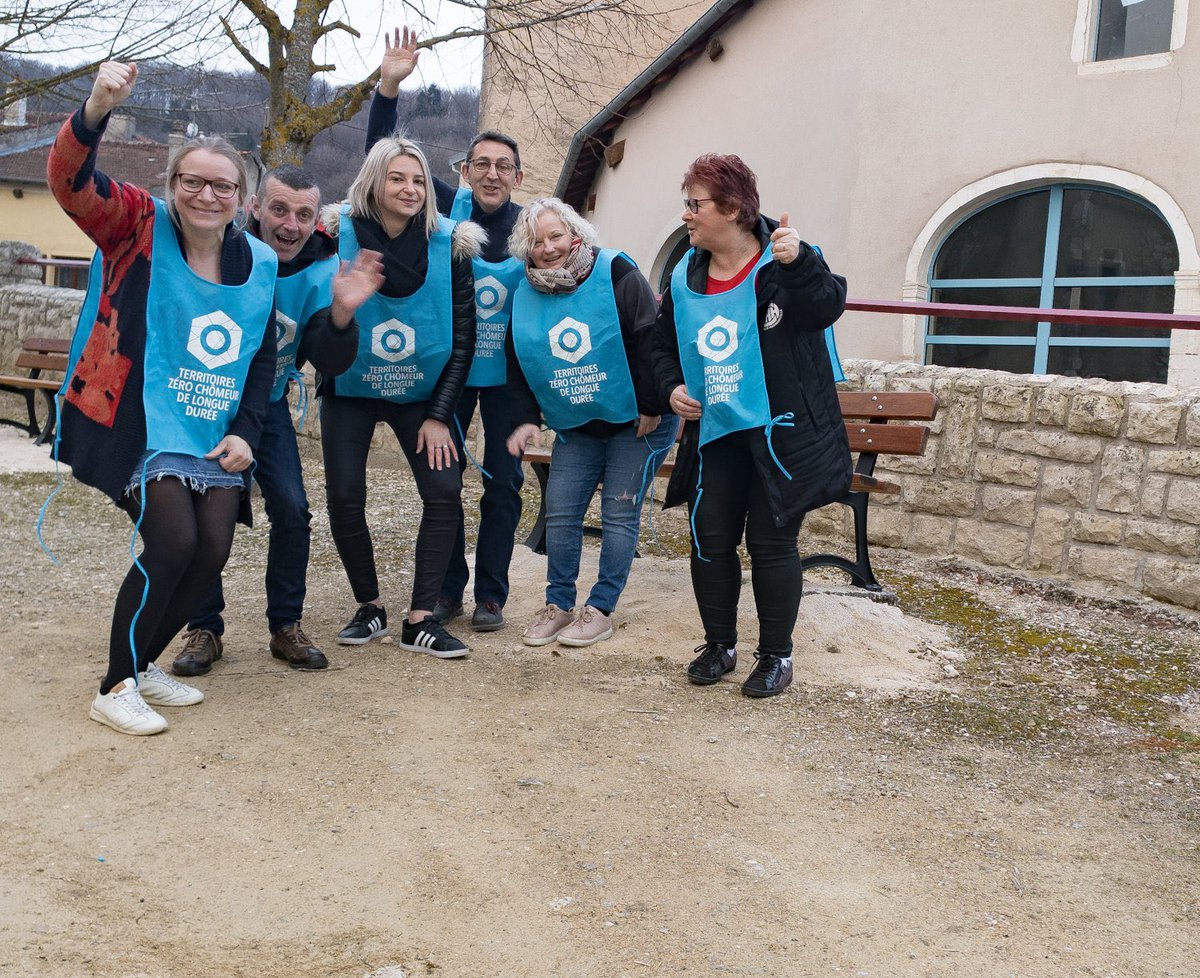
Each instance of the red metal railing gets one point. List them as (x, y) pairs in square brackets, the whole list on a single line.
[(1029, 314)]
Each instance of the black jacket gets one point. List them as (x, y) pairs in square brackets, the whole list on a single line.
[(405, 263), (799, 379), (636, 309)]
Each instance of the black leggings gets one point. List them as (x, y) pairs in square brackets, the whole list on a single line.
[(347, 424), (186, 538), (734, 501)]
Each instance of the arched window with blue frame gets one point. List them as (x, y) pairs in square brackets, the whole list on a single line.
[(1064, 247)]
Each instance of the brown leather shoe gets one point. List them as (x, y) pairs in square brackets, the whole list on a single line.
[(201, 648), (296, 649)]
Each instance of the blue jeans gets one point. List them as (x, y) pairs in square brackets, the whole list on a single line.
[(500, 506), (581, 463), (278, 474)]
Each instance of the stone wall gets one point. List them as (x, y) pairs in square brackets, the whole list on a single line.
[(1085, 479), (33, 310)]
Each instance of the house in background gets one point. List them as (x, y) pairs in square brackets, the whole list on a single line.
[(1024, 153)]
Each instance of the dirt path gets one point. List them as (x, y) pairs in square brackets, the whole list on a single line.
[(587, 812)]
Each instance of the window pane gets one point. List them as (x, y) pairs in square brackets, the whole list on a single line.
[(1122, 298), (1017, 359), (1128, 28), (1005, 240), (1108, 234), (1137, 365), (950, 326)]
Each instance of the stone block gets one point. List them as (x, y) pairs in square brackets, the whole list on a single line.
[(1171, 580), (941, 497), (1049, 538), (957, 440), (986, 435), (1094, 528), (1165, 538), (909, 464), (1002, 504), (1192, 425), (1051, 407), (1010, 470), (828, 522), (993, 543), (1067, 485), (1183, 501), (1175, 463), (887, 527), (1007, 402), (1051, 444), (1095, 413), (1154, 496), (1154, 422), (1103, 564), (1120, 481), (931, 534)]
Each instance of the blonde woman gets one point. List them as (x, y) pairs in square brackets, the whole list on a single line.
[(416, 341)]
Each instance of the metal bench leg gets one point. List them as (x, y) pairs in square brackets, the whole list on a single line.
[(536, 541), (47, 431), (859, 569)]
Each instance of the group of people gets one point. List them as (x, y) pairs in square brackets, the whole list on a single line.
[(418, 303)]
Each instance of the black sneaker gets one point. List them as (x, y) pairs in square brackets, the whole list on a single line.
[(488, 617), (370, 621), (771, 675), (711, 664), (431, 638), (445, 609)]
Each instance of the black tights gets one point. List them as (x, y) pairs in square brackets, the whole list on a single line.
[(186, 538), (735, 500)]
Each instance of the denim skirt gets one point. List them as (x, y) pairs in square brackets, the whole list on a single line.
[(198, 474)]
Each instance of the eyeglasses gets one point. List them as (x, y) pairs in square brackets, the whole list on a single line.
[(480, 167), (224, 189), (693, 203)]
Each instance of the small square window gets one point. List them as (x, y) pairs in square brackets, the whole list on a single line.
[(1130, 28)]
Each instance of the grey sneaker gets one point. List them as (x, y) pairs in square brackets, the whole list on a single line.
[(592, 626), (488, 617), (547, 625), (159, 689)]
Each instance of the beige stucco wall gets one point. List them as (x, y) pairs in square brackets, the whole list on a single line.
[(36, 217), (864, 118)]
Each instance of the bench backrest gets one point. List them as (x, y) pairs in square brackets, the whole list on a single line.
[(43, 353), (873, 435)]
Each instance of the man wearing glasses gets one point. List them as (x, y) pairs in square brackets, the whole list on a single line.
[(492, 171)]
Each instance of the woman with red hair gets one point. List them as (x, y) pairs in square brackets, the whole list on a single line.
[(740, 354)]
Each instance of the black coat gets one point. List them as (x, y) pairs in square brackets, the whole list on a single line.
[(799, 378)]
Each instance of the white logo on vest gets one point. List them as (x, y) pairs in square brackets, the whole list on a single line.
[(393, 341), (215, 340), (490, 296), (717, 340), (570, 340), (285, 330)]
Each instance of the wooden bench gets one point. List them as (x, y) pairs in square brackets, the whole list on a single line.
[(870, 435), (39, 355)]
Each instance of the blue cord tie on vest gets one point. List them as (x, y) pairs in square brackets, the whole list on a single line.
[(137, 528), (782, 421), (696, 506), (653, 461), (301, 396), (58, 479), (462, 440)]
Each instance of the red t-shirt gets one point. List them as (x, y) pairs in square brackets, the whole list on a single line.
[(715, 286)]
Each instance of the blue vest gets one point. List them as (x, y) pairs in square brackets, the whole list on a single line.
[(720, 354), (297, 298), (87, 319), (495, 283), (403, 344), (200, 339), (572, 352)]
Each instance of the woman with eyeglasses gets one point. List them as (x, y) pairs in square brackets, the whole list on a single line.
[(168, 386), (739, 353), (416, 341), (578, 351)]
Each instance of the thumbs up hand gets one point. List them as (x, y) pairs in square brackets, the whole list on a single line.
[(785, 242)]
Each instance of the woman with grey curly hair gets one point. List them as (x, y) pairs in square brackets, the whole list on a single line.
[(578, 357)]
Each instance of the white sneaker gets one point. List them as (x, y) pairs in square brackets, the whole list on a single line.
[(161, 689), (124, 709)]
